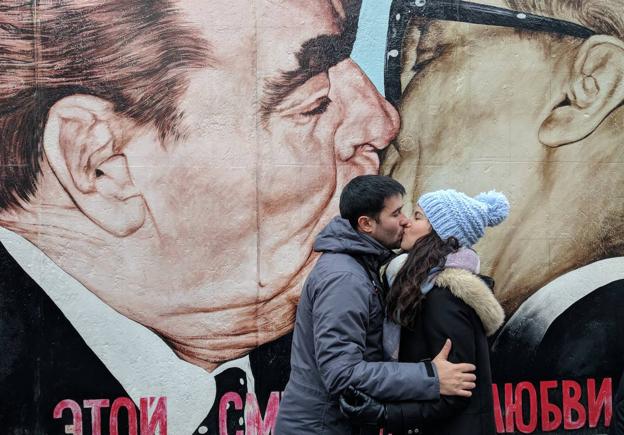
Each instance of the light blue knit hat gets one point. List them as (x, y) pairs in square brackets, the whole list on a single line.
[(455, 214)]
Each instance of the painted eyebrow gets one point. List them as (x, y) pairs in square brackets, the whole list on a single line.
[(316, 55)]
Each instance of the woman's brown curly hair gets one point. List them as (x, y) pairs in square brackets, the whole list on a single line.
[(404, 297)]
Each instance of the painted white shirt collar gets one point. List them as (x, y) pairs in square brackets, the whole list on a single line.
[(139, 359), (549, 302)]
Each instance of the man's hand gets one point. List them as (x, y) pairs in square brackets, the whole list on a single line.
[(362, 409), (455, 379)]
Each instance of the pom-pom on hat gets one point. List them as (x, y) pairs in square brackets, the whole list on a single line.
[(455, 214)]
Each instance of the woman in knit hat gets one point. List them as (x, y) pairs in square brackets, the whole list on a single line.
[(436, 293)]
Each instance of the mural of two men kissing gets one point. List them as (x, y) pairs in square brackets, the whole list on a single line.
[(165, 166)]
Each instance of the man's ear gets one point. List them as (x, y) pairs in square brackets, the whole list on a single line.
[(366, 224), (83, 144), (594, 89)]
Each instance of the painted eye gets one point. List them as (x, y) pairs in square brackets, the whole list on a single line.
[(319, 108), (424, 59), (419, 66)]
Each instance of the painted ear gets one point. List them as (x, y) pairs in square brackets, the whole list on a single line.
[(82, 143), (595, 89)]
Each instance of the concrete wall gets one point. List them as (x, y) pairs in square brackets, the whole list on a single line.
[(165, 166)]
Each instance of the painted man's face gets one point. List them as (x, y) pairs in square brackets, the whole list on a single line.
[(474, 98), (273, 132)]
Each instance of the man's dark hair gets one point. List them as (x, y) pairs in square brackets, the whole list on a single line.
[(136, 54), (365, 195)]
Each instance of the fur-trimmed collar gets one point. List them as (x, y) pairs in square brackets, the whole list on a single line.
[(474, 292)]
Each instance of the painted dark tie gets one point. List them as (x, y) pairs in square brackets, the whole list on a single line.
[(232, 380)]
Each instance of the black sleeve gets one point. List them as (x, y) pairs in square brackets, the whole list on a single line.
[(444, 316)]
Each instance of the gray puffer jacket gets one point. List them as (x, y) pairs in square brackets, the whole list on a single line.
[(337, 340)]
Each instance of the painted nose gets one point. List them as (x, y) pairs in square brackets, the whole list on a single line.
[(368, 120)]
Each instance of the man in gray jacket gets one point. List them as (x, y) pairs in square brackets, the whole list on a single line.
[(337, 340)]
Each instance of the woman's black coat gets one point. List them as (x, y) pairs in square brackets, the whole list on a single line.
[(460, 307)]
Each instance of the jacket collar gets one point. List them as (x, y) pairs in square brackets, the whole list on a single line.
[(474, 292), (340, 237)]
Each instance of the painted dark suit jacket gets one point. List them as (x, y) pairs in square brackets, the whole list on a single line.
[(43, 360), (585, 341)]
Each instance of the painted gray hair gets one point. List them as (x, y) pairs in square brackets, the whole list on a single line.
[(605, 17)]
